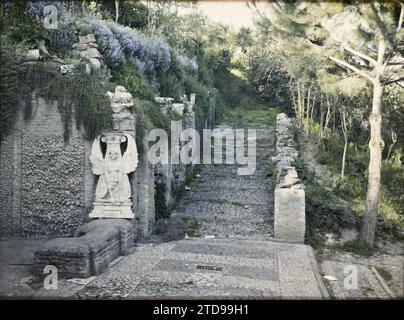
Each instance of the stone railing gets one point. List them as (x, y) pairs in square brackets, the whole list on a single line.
[(289, 202)]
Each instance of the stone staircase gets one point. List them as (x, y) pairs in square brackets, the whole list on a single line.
[(228, 250), (223, 204)]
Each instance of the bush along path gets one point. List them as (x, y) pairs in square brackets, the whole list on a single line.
[(369, 272)]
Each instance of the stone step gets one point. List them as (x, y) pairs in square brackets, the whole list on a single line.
[(205, 209), (237, 198)]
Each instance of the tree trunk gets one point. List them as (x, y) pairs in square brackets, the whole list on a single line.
[(299, 103), (327, 116), (343, 159), (321, 122), (294, 99), (393, 142), (345, 133), (312, 107), (375, 151), (308, 109), (116, 10)]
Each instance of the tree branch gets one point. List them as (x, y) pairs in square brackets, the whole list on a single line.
[(400, 20), (359, 54), (352, 68), (380, 25), (385, 83), (353, 51)]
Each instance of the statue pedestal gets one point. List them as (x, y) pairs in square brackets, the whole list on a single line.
[(109, 210)]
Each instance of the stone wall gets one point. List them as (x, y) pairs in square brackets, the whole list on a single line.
[(9, 224), (45, 183), (170, 178), (289, 195)]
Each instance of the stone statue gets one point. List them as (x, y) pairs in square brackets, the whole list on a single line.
[(121, 104), (113, 191)]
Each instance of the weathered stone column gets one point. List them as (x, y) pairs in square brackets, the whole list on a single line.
[(143, 199), (114, 156), (289, 195)]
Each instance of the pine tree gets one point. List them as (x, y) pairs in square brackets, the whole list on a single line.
[(366, 41)]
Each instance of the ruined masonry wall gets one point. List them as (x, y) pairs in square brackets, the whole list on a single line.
[(289, 195), (44, 184)]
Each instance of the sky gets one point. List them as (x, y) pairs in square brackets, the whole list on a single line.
[(236, 14)]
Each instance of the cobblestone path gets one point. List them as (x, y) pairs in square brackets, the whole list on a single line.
[(211, 268), (224, 204), (228, 251)]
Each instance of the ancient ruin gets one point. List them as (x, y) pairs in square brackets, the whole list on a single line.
[(168, 150), (113, 193), (289, 195)]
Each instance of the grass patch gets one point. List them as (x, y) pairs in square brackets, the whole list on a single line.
[(191, 225), (257, 117), (355, 247), (385, 274), (238, 204)]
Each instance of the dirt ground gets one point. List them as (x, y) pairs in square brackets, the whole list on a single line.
[(387, 261)]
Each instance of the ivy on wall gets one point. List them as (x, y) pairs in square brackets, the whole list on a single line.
[(9, 71), (81, 96)]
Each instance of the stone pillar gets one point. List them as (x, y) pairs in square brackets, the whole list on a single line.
[(290, 218), (143, 202), (163, 180), (165, 103), (114, 156), (289, 195)]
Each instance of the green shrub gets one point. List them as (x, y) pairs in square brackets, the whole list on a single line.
[(81, 96), (193, 85), (172, 81), (356, 247), (148, 116), (324, 212), (132, 13), (128, 76), (21, 28), (161, 209), (354, 186)]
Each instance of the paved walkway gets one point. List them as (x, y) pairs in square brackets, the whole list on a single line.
[(211, 268), (227, 205), (229, 251), (231, 255)]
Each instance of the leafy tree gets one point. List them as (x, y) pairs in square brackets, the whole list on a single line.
[(365, 40), (131, 13)]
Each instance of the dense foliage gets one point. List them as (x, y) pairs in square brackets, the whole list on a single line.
[(142, 55), (327, 64), (8, 86), (80, 96)]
